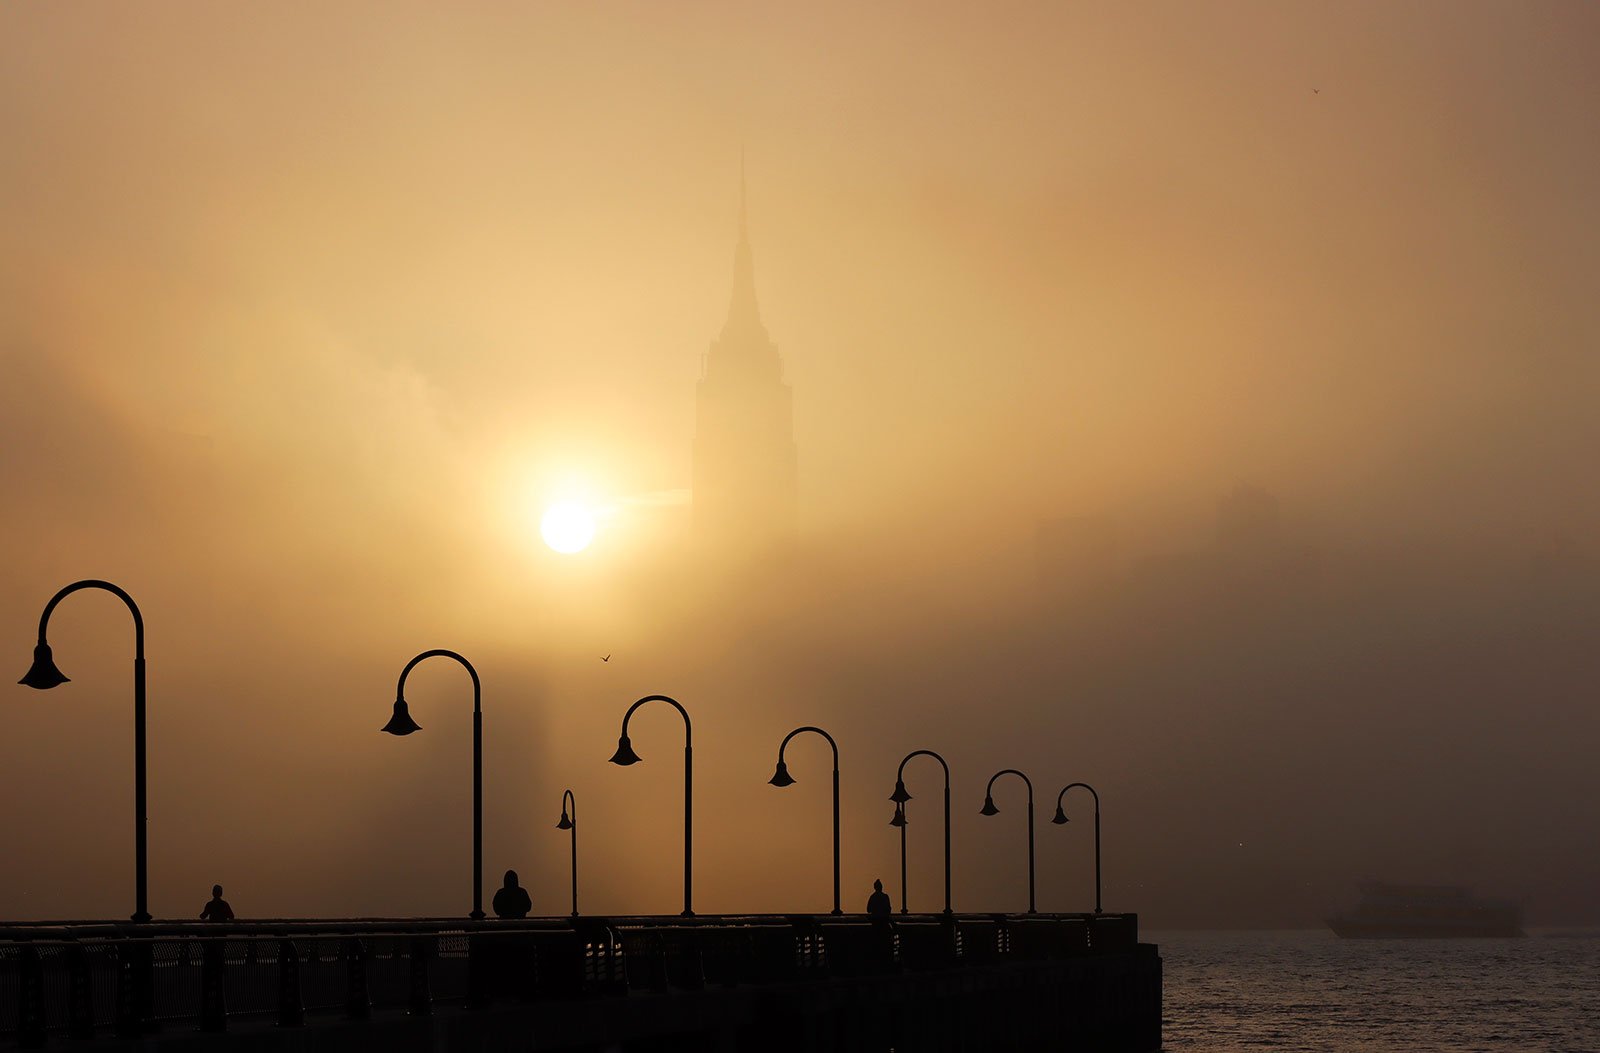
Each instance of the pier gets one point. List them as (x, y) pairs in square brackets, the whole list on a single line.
[(765, 982)]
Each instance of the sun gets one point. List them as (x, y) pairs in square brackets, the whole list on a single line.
[(567, 526)]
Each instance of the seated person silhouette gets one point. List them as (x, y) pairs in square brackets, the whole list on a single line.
[(217, 909), (878, 902), (512, 901)]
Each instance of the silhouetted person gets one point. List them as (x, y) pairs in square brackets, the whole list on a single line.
[(878, 903), (512, 901), (217, 909)]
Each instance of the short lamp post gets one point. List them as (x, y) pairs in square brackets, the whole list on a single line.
[(625, 756), (400, 723), (43, 675), (1061, 818), (781, 777), (569, 822), (989, 809), (900, 797)]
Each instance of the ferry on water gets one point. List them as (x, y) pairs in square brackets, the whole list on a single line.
[(1425, 911)]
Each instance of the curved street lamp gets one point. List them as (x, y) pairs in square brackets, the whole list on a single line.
[(569, 821), (900, 797), (402, 724), (989, 809), (43, 675), (625, 756), (781, 777), (1061, 817)]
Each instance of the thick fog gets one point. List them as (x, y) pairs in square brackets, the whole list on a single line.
[(1193, 400)]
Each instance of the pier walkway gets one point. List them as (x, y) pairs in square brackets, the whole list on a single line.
[(726, 983)]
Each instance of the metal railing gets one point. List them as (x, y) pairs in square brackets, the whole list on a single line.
[(85, 979)]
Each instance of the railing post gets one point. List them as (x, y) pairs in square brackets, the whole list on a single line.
[(685, 965), (126, 1020), (80, 994), (357, 1003), (481, 962), (291, 1007), (214, 985), (135, 989), (421, 1002), (30, 999)]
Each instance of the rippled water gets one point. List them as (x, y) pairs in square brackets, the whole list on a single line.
[(1228, 991)]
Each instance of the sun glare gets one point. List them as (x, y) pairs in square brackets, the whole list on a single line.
[(567, 526)]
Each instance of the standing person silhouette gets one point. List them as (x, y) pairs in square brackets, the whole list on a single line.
[(878, 903), (217, 909), (512, 901)]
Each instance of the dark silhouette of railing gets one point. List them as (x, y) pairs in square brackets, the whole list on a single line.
[(83, 980)]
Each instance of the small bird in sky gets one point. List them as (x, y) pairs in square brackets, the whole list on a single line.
[(607, 658), (1316, 91)]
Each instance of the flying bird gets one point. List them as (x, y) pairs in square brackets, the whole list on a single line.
[(1316, 91), (607, 658)]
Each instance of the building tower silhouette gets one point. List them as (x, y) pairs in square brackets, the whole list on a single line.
[(745, 491)]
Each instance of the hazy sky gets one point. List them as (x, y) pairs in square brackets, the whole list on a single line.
[(307, 309)]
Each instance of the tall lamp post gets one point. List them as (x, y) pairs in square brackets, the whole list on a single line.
[(900, 797), (43, 675), (569, 821), (402, 724), (625, 756), (1061, 818), (989, 809), (781, 777)]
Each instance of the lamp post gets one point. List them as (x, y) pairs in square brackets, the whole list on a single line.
[(569, 821), (900, 797), (989, 809), (1061, 817), (781, 777), (43, 675), (625, 756), (402, 724)]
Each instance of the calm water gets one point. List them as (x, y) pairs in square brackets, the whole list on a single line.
[(1228, 991)]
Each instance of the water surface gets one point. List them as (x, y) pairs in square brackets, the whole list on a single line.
[(1310, 990)]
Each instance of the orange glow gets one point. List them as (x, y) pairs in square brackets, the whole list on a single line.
[(1143, 416)]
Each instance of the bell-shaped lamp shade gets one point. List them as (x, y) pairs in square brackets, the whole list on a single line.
[(900, 796), (781, 777), (899, 817), (565, 823), (43, 673), (401, 723), (624, 754), (988, 806), (1060, 816)]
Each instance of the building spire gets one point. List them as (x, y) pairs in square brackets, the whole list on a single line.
[(744, 314)]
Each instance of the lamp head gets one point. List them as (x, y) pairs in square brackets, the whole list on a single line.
[(43, 673), (900, 796), (566, 821), (624, 755), (1060, 817), (988, 806), (781, 776), (401, 723), (899, 817)]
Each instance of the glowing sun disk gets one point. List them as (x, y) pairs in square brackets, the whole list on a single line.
[(567, 526)]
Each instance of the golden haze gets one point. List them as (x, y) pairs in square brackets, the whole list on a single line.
[(304, 310)]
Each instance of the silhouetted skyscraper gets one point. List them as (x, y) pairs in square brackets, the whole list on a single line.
[(744, 454)]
